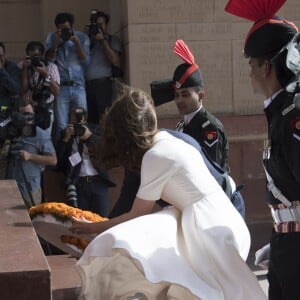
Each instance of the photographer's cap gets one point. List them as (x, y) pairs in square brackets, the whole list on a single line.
[(185, 75), (269, 33)]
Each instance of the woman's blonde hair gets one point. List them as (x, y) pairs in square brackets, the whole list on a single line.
[(129, 127)]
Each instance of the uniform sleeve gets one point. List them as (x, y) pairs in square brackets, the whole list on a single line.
[(291, 144), (223, 150), (213, 141), (155, 172)]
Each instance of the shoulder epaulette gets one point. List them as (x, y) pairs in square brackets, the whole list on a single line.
[(288, 109), (205, 124)]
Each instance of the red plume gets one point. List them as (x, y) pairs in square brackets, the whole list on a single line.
[(254, 10), (181, 49)]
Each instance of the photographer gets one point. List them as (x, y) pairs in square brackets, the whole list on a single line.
[(39, 79), (29, 154), (105, 55), (70, 49), (87, 185)]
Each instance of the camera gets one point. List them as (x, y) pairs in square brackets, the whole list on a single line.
[(36, 61), (79, 114), (18, 126), (79, 130), (93, 27), (66, 33)]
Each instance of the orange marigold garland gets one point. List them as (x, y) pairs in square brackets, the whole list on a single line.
[(63, 213), (76, 241), (62, 210)]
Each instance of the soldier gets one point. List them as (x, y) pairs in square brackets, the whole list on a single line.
[(271, 73), (187, 88)]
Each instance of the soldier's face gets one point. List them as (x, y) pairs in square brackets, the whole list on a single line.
[(257, 75), (188, 100)]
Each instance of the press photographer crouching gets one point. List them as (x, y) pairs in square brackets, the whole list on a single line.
[(30, 150), (86, 184), (40, 81)]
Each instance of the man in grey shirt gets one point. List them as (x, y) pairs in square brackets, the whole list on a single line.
[(105, 52)]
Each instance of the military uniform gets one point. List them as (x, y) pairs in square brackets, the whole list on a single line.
[(273, 66), (282, 162), (282, 152), (209, 132)]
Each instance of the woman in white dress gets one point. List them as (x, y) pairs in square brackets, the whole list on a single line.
[(194, 249)]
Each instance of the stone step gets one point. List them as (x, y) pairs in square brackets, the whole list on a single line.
[(65, 279)]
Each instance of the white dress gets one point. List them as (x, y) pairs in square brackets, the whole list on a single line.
[(193, 250)]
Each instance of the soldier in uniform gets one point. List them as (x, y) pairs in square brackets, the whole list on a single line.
[(187, 89), (269, 50), (197, 122)]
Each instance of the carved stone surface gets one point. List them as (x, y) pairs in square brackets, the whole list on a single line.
[(24, 272)]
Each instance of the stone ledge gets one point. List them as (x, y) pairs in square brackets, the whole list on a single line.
[(24, 271), (65, 280)]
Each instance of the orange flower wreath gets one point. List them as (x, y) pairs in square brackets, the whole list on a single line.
[(63, 212)]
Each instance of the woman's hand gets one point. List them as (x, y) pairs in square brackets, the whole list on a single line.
[(140, 207), (84, 226)]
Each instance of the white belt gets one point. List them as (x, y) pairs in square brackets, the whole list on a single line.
[(291, 214)]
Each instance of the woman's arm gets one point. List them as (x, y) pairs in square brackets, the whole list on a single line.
[(140, 207)]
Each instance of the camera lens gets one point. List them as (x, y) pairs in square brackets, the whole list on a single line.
[(72, 195)]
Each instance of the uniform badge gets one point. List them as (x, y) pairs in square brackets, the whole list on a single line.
[(295, 123), (211, 138), (205, 124), (288, 109), (210, 135), (177, 84)]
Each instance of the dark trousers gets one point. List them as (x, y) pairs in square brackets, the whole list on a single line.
[(129, 189), (92, 195), (284, 269), (99, 97)]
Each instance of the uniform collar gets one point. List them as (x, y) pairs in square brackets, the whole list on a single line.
[(187, 118), (282, 100), (268, 101)]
